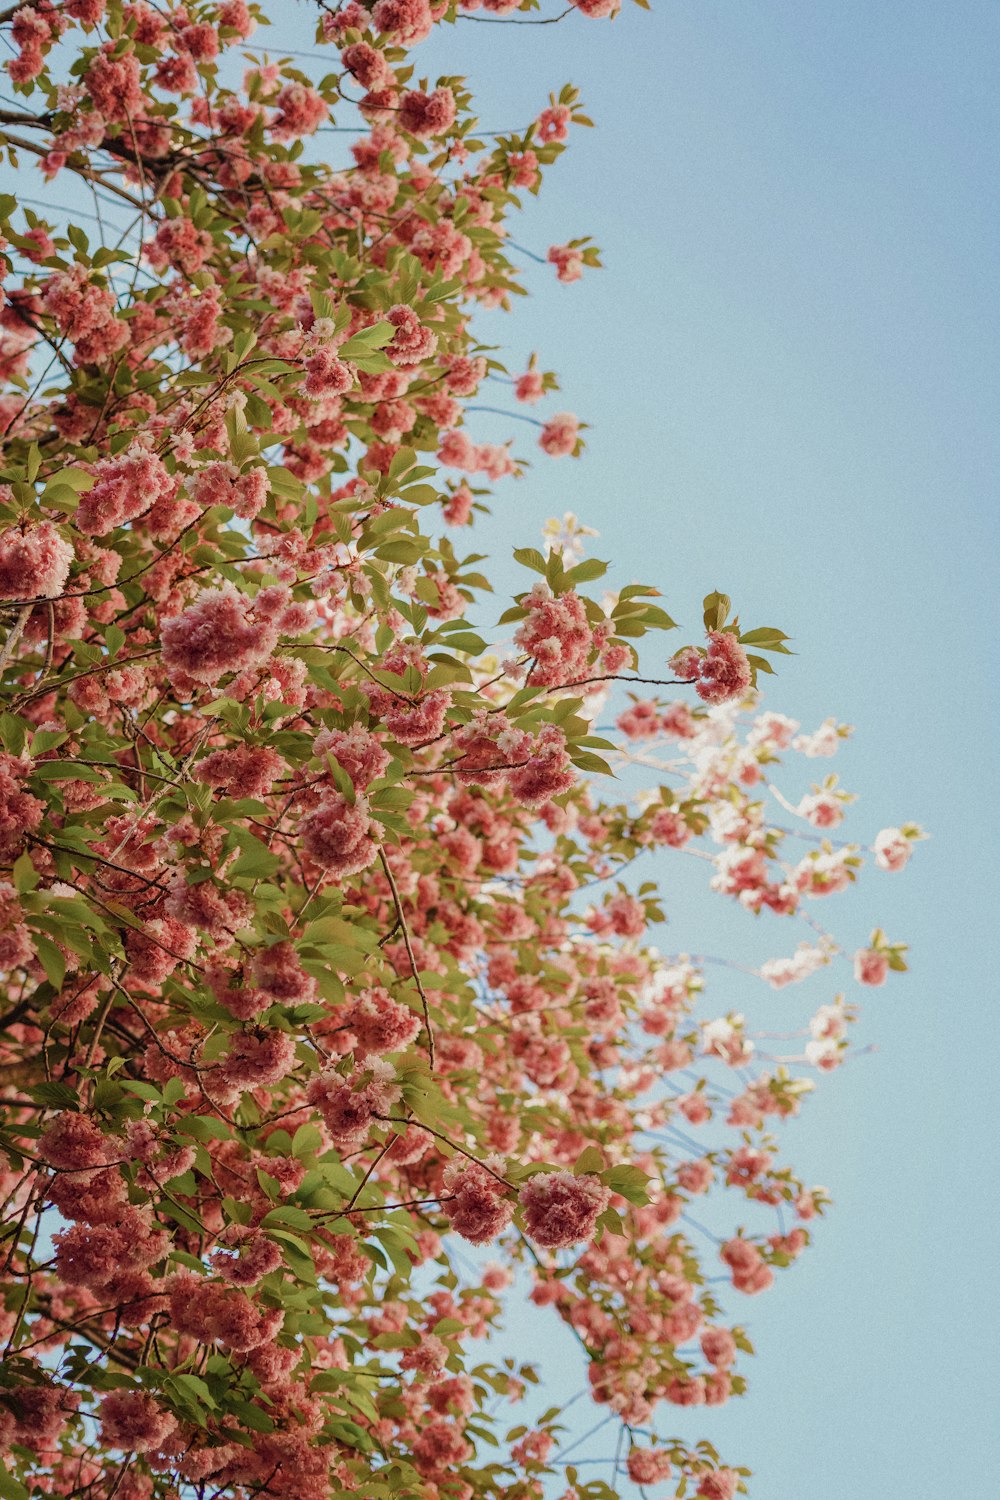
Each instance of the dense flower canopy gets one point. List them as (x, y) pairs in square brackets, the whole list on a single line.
[(325, 940)]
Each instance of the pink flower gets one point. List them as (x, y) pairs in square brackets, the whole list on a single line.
[(37, 1415), (279, 974), (479, 1209), (301, 111), (597, 10), (871, 966), (426, 115), (235, 15), (822, 810), (360, 752), (717, 1484), (558, 635), (16, 946), (367, 65), (719, 1347), (221, 632), (204, 904), (648, 1466), (242, 771), (686, 664), (567, 261), (529, 387), (695, 1176), (458, 510), (114, 84), (725, 671), (750, 1273), (411, 343), (349, 1105), (124, 488), (180, 244), (74, 1141), (336, 836), (560, 435), (407, 22), (222, 484), (34, 562), (256, 1256), (326, 375), (134, 1422), (548, 771), (553, 123), (257, 1059), (380, 1023), (668, 827), (560, 1209)]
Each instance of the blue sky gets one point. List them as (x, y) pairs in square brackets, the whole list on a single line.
[(790, 367)]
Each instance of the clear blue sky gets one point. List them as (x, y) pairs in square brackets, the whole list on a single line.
[(790, 367)]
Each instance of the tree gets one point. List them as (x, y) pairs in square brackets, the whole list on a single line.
[(323, 949)]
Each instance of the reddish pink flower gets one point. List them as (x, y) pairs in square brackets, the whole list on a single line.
[(427, 115), (568, 262), (336, 836), (134, 1422), (725, 671), (871, 966), (479, 1209), (560, 1209), (123, 488), (301, 111), (560, 435), (34, 562), (242, 771), (221, 632), (718, 1484)]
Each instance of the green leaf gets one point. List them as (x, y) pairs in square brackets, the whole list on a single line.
[(361, 344), (628, 1182), (717, 607), (530, 557), (26, 877), (52, 959), (586, 571), (585, 760), (11, 1488), (203, 1127)]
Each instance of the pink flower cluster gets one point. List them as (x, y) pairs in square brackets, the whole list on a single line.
[(721, 673), (559, 637), (479, 1208), (337, 835), (210, 1313), (749, 1271), (560, 435), (349, 1105), (85, 313), (427, 115), (134, 1422), (241, 770), (221, 632), (34, 561), (568, 262), (560, 1209), (124, 488)]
